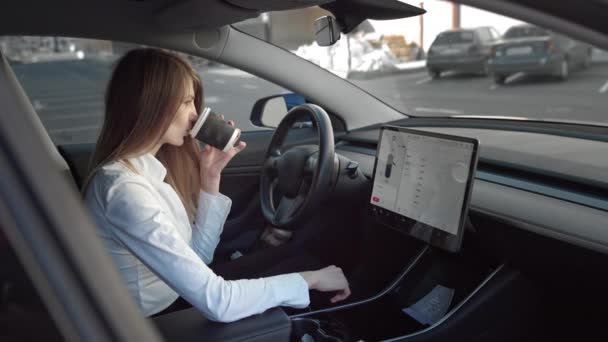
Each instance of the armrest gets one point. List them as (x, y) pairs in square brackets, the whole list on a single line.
[(191, 325)]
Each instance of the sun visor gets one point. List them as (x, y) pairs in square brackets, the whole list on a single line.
[(276, 5), (351, 13), (189, 15)]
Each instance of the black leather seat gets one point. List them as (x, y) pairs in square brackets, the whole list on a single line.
[(78, 158), (191, 325)]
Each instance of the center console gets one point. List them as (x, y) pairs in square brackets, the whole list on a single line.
[(384, 315), (433, 289)]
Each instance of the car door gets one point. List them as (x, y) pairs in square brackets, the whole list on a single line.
[(54, 239), (569, 48)]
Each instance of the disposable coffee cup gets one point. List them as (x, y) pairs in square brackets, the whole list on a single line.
[(212, 130)]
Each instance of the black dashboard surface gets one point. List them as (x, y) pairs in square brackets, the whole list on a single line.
[(570, 169), (551, 185), (579, 160)]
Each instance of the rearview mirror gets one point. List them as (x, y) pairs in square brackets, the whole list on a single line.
[(327, 31), (269, 111)]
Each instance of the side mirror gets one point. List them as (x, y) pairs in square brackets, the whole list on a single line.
[(269, 111), (327, 31)]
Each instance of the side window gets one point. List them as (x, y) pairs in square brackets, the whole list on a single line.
[(484, 35), (233, 92), (65, 79)]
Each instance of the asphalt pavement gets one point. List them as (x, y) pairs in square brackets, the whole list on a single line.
[(68, 95), (583, 97)]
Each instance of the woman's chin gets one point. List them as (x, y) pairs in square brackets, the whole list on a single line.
[(177, 142)]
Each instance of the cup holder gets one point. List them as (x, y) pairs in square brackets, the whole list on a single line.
[(308, 330)]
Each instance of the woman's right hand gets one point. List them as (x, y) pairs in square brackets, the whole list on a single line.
[(327, 279), (213, 161)]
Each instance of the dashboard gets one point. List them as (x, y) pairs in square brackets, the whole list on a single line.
[(537, 182)]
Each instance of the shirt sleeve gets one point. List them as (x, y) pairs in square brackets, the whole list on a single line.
[(142, 226), (211, 215)]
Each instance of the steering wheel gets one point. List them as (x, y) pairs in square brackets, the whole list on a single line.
[(301, 176)]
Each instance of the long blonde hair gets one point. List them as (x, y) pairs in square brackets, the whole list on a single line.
[(142, 98)]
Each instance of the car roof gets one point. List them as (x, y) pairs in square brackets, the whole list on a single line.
[(467, 29), (116, 18), (458, 30), (523, 26), (138, 20)]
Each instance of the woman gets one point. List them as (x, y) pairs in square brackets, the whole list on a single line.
[(154, 195)]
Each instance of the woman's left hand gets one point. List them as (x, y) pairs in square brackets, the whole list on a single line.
[(213, 161)]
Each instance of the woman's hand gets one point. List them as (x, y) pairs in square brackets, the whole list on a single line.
[(327, 279), (213, 161)]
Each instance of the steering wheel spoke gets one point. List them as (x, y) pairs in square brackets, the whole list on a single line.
[(288, 207), (271, 165), (311, 165)]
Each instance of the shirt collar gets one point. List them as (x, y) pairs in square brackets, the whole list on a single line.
[(149, 167)]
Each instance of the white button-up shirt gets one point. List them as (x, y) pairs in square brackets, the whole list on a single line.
[(161, 255)]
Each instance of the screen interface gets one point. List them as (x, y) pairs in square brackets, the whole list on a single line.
[(424, 177)]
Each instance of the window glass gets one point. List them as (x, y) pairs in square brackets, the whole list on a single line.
[(526, 31), (454, 38), (428, 65), (484, 35), (65, 79)]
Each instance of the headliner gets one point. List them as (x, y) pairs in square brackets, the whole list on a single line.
[(129, 19)]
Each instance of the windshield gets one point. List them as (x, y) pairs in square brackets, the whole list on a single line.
[(526, 31), (455, 60), (447, 38)]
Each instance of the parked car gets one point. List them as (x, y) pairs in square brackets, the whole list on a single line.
[(461, 50), (535, 50)]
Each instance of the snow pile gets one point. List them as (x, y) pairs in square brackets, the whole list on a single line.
[(364, 57)]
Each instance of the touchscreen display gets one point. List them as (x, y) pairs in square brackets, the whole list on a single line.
[(422, 177)]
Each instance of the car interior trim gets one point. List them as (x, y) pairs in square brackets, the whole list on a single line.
[(456, 308), (390, 287), (522, 184), (300, 76), (543, 215), (577, 197), (595, 132)]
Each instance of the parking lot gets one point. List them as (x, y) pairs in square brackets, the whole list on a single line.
[(521, 96)]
